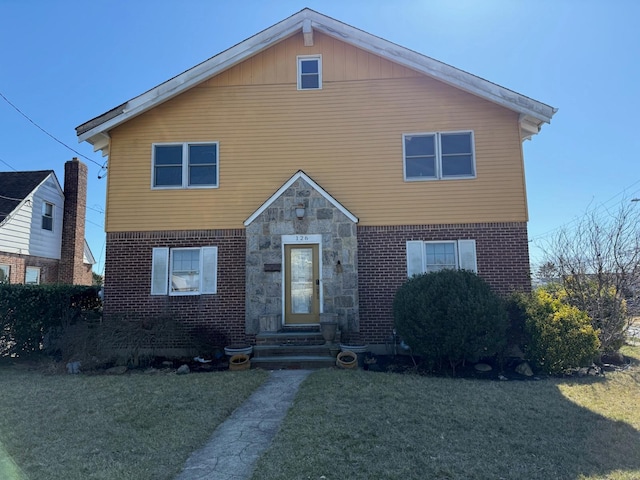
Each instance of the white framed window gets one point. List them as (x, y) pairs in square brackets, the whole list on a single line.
[(184, 271), (47, 216), (309, 72), (185, 165), (32, 276), (438, 155), (432, 256), (5, 270)]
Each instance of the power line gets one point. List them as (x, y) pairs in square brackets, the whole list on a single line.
[(10, 166), (593, 210), (47, 133)]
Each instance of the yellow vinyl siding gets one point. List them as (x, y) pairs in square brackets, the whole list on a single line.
[(347, 137)]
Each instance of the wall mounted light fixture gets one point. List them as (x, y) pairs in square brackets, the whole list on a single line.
[(300, 211)]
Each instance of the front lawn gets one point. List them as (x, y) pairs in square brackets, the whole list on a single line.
[(133, 426), (363, 425)]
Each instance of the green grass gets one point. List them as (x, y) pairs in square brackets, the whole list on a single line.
[(133, 426), (360, 425)]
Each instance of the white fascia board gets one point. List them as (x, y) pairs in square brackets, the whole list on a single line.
[(87, 256), (198, 74), (312, 184), (336, 29), (433, 68)]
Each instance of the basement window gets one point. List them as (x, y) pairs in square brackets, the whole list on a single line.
[(310, 72)]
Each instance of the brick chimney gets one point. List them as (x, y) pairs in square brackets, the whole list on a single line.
[(72, 269)]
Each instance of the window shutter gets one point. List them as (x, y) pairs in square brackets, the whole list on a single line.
[(209, 269), (415, 258), (467, 255), (160, 271)]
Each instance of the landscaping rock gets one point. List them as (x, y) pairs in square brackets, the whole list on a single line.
[(595, 370), (183, 370), (116, 370), (524, 369), (483, 367)]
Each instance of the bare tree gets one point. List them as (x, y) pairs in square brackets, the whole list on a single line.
[(598, 264)]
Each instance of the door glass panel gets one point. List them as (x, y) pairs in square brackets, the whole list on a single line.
[(301, 280)]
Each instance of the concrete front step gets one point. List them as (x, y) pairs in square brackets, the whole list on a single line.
[(290, 338), (306, 362), (290, 350)]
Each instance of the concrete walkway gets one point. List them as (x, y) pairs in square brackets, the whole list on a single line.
[(235, 446)]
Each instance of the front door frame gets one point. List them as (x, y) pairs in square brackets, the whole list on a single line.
[(302, 239)]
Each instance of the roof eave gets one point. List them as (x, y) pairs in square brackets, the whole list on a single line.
[(95, 130), (209, 68)]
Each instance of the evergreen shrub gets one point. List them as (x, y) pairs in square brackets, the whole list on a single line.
[(560, 335), (450, 316), (29, 313)]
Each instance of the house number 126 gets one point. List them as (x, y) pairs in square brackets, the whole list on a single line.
[(301, 238)]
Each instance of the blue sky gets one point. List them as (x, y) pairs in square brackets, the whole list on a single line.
[(65, 62)]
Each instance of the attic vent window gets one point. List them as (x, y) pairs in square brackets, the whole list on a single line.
[(47, 216), (310, 72)]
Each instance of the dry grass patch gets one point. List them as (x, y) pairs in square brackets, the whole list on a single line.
[(361, 425), (132, 426)]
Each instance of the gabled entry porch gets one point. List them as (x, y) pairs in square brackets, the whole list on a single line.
[(301, 260)]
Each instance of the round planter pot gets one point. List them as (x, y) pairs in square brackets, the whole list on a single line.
[(239, 361), (347, 360), (238, 349), (353, 348)]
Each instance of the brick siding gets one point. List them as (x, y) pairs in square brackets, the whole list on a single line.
[(502, 252), (72, 267), (18, 265), (128, 281), (501, 249)]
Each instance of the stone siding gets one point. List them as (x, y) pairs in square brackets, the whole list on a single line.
[(339, 276)]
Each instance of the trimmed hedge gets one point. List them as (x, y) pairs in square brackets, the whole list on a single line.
[(29, 312), (450, 316)]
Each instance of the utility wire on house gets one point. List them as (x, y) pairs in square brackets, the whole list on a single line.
[(102, 167), (11, 198)]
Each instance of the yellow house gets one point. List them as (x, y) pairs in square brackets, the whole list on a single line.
[(306, 172)]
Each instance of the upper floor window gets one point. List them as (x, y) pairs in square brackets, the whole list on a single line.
[(47, 216), (185, 165), (310, 72), (439, 155)]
